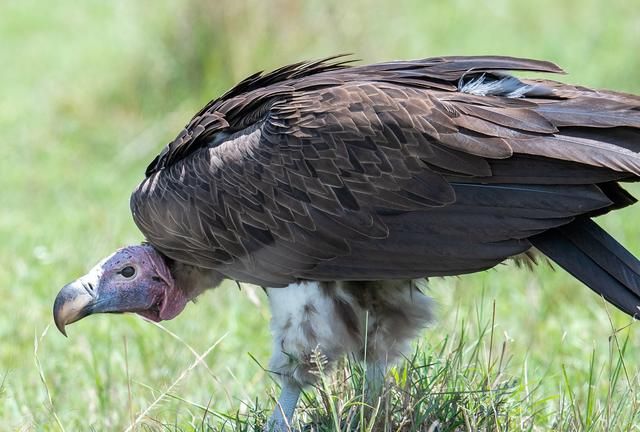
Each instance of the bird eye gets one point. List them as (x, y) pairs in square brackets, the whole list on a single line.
[(128, 272)]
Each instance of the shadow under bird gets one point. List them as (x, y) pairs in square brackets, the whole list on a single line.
[(336, 187)]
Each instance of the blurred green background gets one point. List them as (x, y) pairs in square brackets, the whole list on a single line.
[(91, 91)]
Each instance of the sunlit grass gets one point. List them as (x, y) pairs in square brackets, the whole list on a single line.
[(91, 91), (463, 381)]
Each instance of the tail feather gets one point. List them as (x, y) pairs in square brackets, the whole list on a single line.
[(595, 258)]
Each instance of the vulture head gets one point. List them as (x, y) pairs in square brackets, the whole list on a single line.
[(133, 279)]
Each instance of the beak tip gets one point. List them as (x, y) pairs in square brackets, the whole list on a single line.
[(60, 324), (71, 304), (62, 330)]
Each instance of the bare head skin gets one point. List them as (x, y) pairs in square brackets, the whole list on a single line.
[(133, 279)]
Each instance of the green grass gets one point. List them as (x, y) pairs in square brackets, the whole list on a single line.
[(89, 94)]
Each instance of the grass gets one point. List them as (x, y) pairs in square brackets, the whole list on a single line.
[(90, 93)]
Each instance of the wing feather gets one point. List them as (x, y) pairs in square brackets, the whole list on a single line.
[(319, 170)]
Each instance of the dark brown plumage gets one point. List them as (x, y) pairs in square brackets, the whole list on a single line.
[(323, 171)]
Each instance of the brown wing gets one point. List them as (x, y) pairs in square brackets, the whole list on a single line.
[(385, 171)]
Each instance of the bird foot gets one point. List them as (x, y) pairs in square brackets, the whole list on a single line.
[(281, 419)]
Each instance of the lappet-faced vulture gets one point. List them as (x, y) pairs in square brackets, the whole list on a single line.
[(335, 187)]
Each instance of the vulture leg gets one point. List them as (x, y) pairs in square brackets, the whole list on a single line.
[(282, 416), (316, 323), (374, 377), (308, 336)]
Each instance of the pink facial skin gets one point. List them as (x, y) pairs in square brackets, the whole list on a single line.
[(173, 298), (135, 279)]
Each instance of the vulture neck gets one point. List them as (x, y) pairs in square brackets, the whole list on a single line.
[(193, 280)]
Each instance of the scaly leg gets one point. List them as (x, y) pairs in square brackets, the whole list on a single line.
[(374, 382), (309, 333), (280, 420)]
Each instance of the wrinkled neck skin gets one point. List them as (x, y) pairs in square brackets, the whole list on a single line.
[(193, 281)]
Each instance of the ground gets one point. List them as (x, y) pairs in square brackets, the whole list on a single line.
[(90, 93)]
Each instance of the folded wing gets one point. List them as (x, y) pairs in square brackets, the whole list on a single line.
[(394, 170)]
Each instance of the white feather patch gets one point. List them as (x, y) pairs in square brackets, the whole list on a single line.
[(323, 321), (507, 86)]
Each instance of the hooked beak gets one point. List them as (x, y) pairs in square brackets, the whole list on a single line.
[(74, 302)]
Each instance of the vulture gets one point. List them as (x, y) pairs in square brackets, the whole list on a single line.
[(336, 187)]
